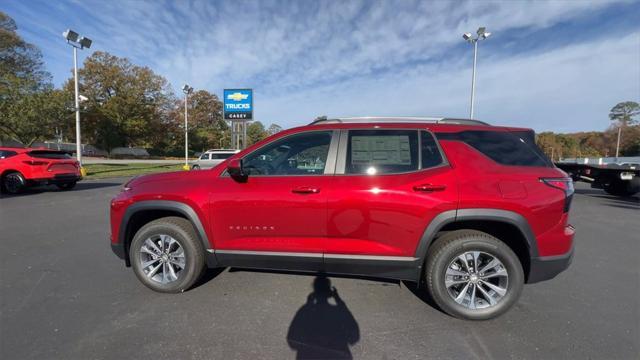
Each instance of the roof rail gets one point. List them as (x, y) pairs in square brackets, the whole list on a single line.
[(396, 119)]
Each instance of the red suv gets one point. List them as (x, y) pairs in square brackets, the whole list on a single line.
[(471, 211), (22, 167)]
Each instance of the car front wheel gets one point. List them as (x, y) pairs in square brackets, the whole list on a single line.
[(166, 255), (472, 275)]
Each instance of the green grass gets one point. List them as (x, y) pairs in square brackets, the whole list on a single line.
[(101, 171)]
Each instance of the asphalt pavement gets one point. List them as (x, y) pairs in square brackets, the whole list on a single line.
[(64, 295)]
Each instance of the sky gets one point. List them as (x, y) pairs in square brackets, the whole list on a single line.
[(548, 65)]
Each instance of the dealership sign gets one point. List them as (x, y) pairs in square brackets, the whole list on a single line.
[(238, 104)]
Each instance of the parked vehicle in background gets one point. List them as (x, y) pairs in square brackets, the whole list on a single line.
[(211, 158), (468, 210), (22, 167), (619, 179)]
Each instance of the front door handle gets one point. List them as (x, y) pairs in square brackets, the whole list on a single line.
[(305, 190), (429, 187)]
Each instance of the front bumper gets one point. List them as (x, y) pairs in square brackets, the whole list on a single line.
[(118, 249)]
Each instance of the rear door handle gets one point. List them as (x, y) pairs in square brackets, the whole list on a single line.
[(429, 187), (305, 190)]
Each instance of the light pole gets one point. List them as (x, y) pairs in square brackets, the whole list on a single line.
[(77, 42), (187, 90), (482, 34)]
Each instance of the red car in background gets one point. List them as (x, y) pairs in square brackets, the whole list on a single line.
[(22, 167)]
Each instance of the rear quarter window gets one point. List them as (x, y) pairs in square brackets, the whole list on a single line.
[(43, 154), (503, 147)]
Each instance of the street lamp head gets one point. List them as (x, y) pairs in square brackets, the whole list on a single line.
[(70, 35), (467, 36), (486, 35), (481, 30), (85, 42), (187, 89)]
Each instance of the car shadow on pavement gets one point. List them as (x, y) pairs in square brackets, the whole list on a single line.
[(324, 327), (421, 293), (209, 274), (600, 194), (51, 188)]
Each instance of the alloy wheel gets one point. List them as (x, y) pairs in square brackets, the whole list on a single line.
[(162, 258), (476, 280)]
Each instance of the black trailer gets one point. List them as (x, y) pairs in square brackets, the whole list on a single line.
[(615, 179)]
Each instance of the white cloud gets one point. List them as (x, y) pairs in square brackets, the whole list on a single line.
[(568, 89), (357, 58)]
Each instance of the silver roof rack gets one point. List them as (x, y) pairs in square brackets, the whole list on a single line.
[(396, 119)]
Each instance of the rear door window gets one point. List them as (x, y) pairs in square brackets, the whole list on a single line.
[(4, 154), (371, 152), (430, 152)]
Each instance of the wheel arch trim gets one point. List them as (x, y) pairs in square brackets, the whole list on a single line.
[(486, 214), (167, 205)]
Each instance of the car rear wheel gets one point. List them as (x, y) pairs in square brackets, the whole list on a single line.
[(167, 255), (13, 183), (472, 275), (195, 167), (66, 186)]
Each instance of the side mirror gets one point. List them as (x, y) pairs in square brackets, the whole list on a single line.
[(236, 171)]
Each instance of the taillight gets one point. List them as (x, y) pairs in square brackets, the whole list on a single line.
[(564, 184), (35, 162)]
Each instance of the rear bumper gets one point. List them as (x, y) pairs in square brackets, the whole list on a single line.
[(56, 179), (547, 267)]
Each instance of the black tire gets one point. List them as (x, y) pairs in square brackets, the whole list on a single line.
[(620, 188), (182, 231), (195, 167), (67, 185), (445, 250), (13, 183)]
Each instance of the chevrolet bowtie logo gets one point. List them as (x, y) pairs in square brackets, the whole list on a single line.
[(237, 96)]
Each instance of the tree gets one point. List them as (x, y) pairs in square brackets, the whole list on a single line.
[(29, 107), (256, 132), (128, 105), (274, 129), (207, 129), (625, 113)]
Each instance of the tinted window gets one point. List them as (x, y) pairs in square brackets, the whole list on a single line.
[(431, 155), (44, 154), (204, 157), (507, 148), (302, 154), (6, 154), (382, 151), (220, 156)]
